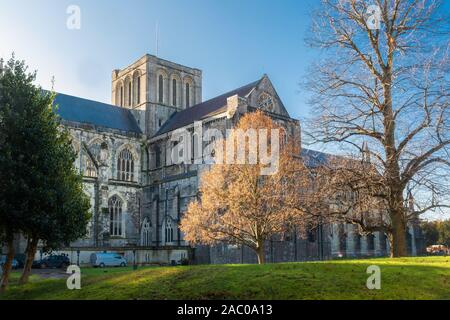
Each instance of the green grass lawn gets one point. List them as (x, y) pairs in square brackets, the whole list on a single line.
[(405, 278)]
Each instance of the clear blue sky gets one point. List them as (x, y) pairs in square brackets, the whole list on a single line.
[(234, 42)]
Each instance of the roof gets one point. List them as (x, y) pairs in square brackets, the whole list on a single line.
[(75, 109), (203, 110), (314, 158)]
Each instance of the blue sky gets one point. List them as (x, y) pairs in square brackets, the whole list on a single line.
[(233, 42)]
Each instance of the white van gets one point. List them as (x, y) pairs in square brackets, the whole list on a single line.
[(108, 260)]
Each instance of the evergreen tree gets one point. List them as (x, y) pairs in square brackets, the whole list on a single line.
[(41, 194)]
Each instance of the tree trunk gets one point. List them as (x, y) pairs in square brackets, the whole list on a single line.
[(261, 253), (8, 264), (398, 238), (31, 252), (396, 203)]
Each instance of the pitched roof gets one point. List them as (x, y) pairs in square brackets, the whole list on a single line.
[(314, 158), (75, 109), (204, 109)]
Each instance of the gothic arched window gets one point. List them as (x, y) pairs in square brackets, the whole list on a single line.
[(357, 241), (174, 92), (157, 157), (115, 216), (136, 88), (138, 91), (121, 96), (168, 231), (188, 95), (90, 170), (129, 94), (160, 89), (146, 239), (125, 166), (370, 242)]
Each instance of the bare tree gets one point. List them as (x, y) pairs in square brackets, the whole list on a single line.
[(384, 83), (238, 205)]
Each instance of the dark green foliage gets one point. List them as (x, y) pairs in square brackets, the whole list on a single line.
[(430, 232), (444, 232), (41, 194), (436, 232)]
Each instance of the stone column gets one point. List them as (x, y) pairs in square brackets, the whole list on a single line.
[(388, 247), (413, 241)]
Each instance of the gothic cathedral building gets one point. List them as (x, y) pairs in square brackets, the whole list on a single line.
[(138, 195)]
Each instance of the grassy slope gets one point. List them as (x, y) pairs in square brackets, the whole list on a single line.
[(408, 278)]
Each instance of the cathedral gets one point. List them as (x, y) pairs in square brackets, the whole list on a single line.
[(138, 195)]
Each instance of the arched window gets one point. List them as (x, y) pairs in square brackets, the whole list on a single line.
[(91, 170), (342, 240), (136, 88), (157, 157), (188, 95), (311, 235), (160, 89), (174, 92), (125, 166), (129, 94), (357, 241), (168, 231), (121, 96), (146, 239), (370, 242), (115, 216), (138, 93)]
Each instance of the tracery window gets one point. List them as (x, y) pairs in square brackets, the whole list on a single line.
[(146, 239), (115, 214), (265, 101), (168, 231), (90, 170), (125, 166), (90, 167)]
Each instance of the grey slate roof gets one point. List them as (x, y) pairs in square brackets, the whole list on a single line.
[(203, 110), (75, 109), (314, 158)]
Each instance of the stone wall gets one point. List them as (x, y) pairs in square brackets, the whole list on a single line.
[(101, 182)]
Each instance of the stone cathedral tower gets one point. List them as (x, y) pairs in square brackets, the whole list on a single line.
[(154, 88)]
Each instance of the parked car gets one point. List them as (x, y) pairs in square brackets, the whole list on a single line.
[(15, 263), (52, 261), (108, 260)]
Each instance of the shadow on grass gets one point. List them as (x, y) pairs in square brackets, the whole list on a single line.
[(400, 279)]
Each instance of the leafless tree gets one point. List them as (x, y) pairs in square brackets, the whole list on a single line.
[(240, 206), (382, 88)]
